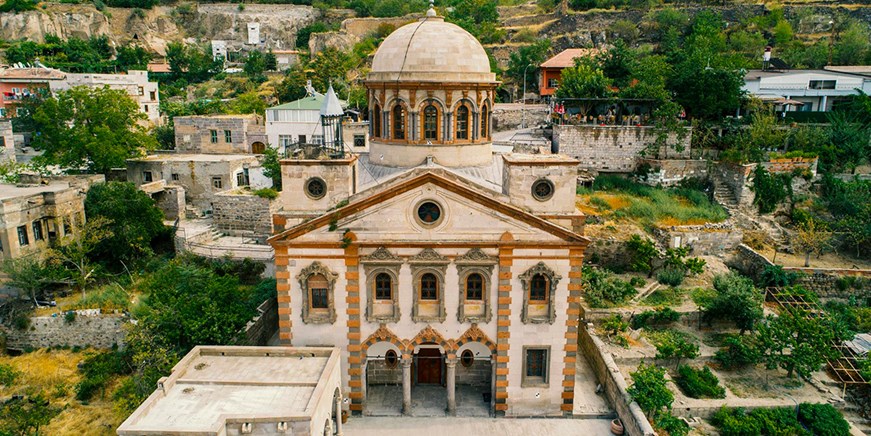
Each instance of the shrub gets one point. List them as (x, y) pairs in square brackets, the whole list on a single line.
[(637, 282), (671, 344), (267, 193), (665, 297), (774, 275), (738, 352), (605, 290), (98, 369), (699, 383), (21, 321), (671, 425), (670, 276), (643, 252), (736, 299), (108, 298), (659, 316), (8, 374), (70, 316), (89, 387), (649, 389), (736, 422), (823, 419)]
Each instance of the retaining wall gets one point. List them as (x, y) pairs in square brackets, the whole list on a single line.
[(707, 239), (97, 331), (609, 375), (669, 172), (243, 215), (259, 330), (611, 148)]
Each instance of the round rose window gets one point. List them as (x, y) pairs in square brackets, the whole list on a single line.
[(542, 190), (429, 212), (315, 188)]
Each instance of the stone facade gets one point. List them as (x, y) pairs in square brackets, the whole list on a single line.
[(7, 141), (378, 372), (611, 148), (209, 134), (171, 201), (100, 331), (241, 213), (37, 211)]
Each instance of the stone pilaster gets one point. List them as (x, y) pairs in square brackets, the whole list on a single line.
[(576, 262), (406, 385), (282, 278), (355, 355), (503, 327)]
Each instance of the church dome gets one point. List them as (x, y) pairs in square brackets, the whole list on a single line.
[(431, 50)]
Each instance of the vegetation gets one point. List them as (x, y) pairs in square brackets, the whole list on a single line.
[(92, 128), (665, 297), (738, 351), (24, 415), (613, 327), (673, 345), (811, 238), (267, 193), (797, 342), (649, 389), (603, 289), (811, 419), (621, 198), (699, 383), (658, 317), (735, 299), (823, 419)]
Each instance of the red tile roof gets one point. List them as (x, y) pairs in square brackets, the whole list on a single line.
[(566, 58)]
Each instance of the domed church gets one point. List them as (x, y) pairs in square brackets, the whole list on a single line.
[(448, 275)]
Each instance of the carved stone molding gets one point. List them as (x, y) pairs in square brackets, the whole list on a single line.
[(310, 316), (384, 334), (372, 269), (552, 279), (476, 256), (475, 334), (486, 272), (381, 255), (429, 256)]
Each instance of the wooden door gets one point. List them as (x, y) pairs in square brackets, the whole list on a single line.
[(429, 366)]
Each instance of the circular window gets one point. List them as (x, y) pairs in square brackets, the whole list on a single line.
[(542, 189), (315, 188), (391, 359), (467, 358), (429, 212)]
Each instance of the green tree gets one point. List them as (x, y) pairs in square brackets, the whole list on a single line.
[(736, 299), (75, 250), (270, 61), (192, 62), (255, 65), (132, 57), (20, 415), (643, 253), (133, 221), (770, 189), (247, 103), (18, 6), (272, 167), (811, 238), (29, 274), (650, 390), (527, 59), (796, 341), (584, 80), (94, 128)]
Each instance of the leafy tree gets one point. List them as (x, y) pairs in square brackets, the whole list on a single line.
[(132, 57), (736, 299), (255, 65), (96, 128), (770, 189), (271, 61), (192, 62), (649, 389), (133, 221), (738, 351), (272, 166), (584, 80), (796, 341), (304, 34), (811, 238), (247, 103), (30, 274), (18, 6), (527, 59), (75, 250), (673, 345), (20, 415), (643, 254), (478, 17)]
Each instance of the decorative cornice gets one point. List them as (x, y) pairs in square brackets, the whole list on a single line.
[(428, 256), (476, 256), (381, 255)]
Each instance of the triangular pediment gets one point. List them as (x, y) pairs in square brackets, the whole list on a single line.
[(468, 213)]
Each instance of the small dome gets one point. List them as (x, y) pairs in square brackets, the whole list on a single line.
[(431, 50)]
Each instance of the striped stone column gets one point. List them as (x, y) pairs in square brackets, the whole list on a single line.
[(355, 355), (576, 262), (503, 326)]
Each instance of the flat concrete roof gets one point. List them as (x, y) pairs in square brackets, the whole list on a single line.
[(215, 383), (8, 192), (192, 157)]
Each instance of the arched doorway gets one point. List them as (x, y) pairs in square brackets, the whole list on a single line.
[(474, 379), (383, 380), (258, 147), (429, 394)]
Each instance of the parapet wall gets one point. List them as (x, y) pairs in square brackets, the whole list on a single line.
[(243, 214)]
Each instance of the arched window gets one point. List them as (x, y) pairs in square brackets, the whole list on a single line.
[(430, 123), (485, 121), (429, 287), (538, 288), (318, 288), (376, 121), (474, 287), (383, 287), (398, 122), (463, 122)]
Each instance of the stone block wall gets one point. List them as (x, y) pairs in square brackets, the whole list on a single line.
[(509, 116), (378, 373), (243, 214), (193, 133), (7, 141), (476, 374), (100, 331), (707, 239), (610, 148), (609, 375), (171, 201), (260, 330), (671, 171), (748, 262)]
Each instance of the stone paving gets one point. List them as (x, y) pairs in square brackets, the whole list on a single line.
[(426, 401), (379, 426), (588, 403)]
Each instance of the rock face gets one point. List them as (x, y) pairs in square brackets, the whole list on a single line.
[(65, 21), (279, 24)]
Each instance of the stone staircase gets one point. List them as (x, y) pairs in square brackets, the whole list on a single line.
[(644, 293)]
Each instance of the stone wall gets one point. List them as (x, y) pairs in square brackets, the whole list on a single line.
[(7, 141), (509, 116), (609, 375), (610, 148), (737, 177), (669, 172), (243, 214), (98, 331), (476, 374), (171, 201), (193, 133), (262, 327), (748, 262), (378, 373), (707, 239)]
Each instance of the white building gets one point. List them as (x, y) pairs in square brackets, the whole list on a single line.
[(254, 33), (135, 82), (219, 49), (818, 90), (298, 122)]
